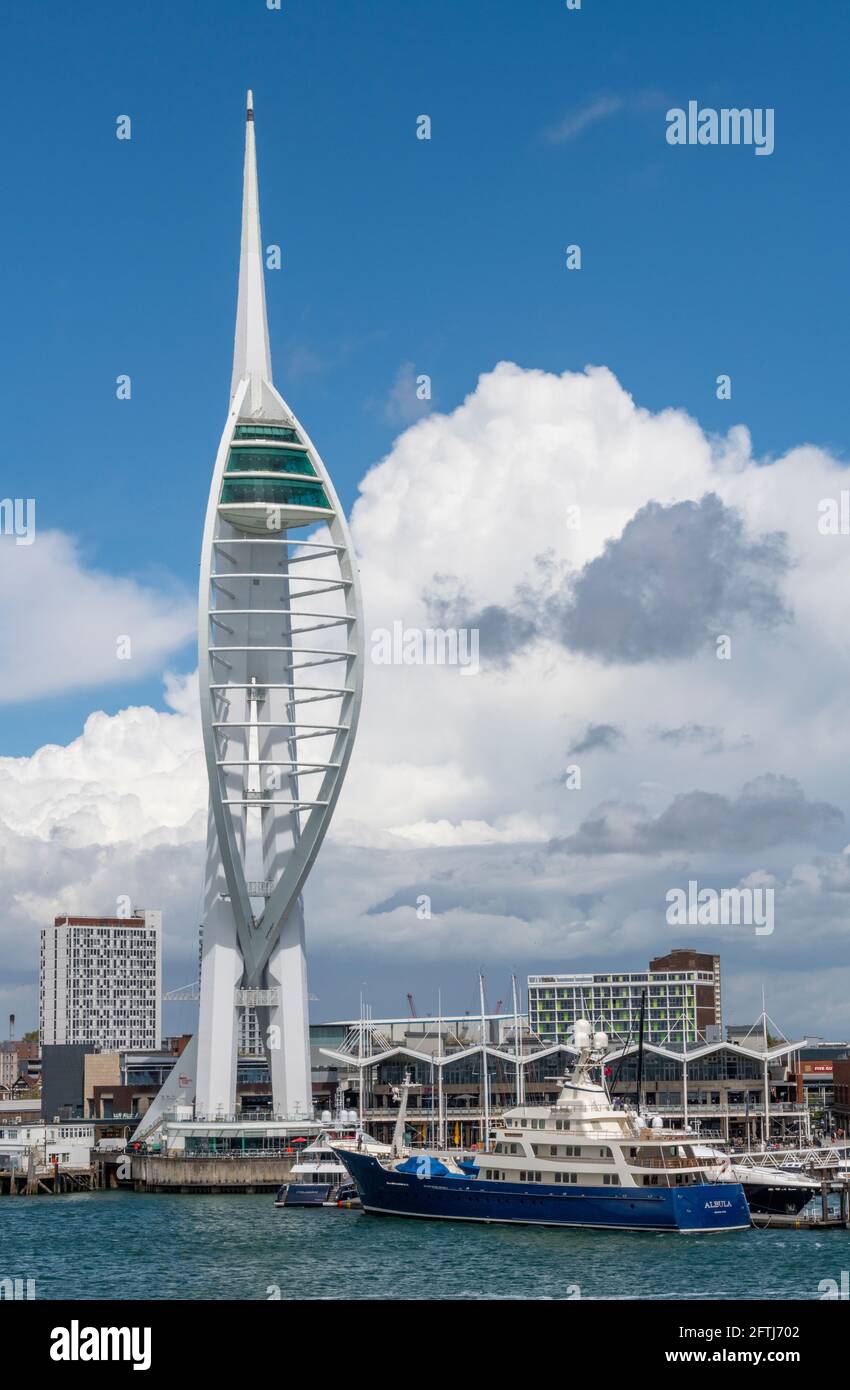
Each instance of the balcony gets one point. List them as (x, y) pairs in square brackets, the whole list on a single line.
[(698, 1108), (664, 1163)]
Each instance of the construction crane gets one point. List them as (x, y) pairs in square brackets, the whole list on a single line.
[(183, 994), (186, 993), (411, 1003)]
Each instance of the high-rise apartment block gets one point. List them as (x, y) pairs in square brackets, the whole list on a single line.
[(101, 982)]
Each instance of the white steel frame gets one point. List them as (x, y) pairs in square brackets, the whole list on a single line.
[(270, 799)]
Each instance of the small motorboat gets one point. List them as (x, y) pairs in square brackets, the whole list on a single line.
[(317, 1179), (769, 1191), (308, 1194), (346, 1196)]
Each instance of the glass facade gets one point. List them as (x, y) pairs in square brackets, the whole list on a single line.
[(281, 432), (276, 494), (270, 461), (613, 1003)]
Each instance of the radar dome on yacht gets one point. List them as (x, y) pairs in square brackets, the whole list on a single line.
[(583, 1033), (326, 1117), (352, 1117), (600, 1041), (657, 1122)]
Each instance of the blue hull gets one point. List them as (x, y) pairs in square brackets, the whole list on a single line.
[(703, 1207), (307, 1194)]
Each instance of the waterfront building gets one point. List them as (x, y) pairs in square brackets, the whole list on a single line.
[(709, 1001), (20, 1067), (750, 1033), (466, 1071), (29, 1061), (840, 1110), (681, 1004), (100, 982), (818, 1066), (20, 1107), (725, 1090), (10, 1068), (124, 1084), (280, 674), (63, 1066), (68, 1145)]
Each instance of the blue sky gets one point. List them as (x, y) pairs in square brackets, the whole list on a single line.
[(448, 254), (445, 257)]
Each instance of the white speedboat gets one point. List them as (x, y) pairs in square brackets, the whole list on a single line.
[(771, 1191), (318, 1179)]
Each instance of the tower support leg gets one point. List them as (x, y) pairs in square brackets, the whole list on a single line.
[(217, 1024), (288, 1040)]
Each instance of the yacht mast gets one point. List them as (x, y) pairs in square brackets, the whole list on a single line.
[(520, 1074), (484, 1066), (640, 1053)]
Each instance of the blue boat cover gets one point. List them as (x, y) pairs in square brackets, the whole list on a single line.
[(423, 1166)]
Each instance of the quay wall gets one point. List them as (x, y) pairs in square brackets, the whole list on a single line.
[(155, 1173)]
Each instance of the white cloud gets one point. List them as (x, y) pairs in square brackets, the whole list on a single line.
[(61, 623), (118, 812), (133, 777), (577, 121), (457, 783), (602, 108), (518, 829), (404, 404)]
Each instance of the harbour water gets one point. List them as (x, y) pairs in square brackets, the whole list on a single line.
[(137, 1246)]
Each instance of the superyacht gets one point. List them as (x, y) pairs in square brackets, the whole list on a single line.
[(582, 1162)]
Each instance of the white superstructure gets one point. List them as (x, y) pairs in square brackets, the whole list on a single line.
[(585, 1140), (319, 1164)]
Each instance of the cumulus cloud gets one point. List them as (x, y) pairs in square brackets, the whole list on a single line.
[(67, 627), (688, 733), (120, 812), (598, 736), (707, 737), (768, 811), (516, 829), (677, 577), (455, 787), (675, 580), (132, 776), (404, 404)]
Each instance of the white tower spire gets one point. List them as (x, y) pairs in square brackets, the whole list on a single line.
[(280, 674), (251, 355)]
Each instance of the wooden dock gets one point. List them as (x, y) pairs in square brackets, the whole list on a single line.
[(785, 1221), (824, 1220), (51, 1182)]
